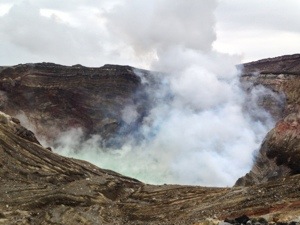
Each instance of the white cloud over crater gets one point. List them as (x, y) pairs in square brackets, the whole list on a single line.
[(98, 32)]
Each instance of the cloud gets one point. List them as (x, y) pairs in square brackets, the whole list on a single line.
[(26, 29), (57, 34), (160, 24), (101, 35), (258, 29), (259, 15), (95, 33)]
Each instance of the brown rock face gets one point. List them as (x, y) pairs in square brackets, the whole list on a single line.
[(283, 143), (279, 153), (56, 97), (288, 64), (41, 187)]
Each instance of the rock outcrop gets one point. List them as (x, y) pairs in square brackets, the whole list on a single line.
[(281, 75), (38, 186), (41, 187), (287, 64), (280, 150), (57, 98)]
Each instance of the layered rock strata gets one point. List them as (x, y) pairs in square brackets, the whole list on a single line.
[(280, 150), (57, 98), (41, 187)]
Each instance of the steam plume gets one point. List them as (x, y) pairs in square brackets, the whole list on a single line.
[(197, 131)]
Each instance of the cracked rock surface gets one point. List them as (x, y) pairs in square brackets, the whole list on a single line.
[(38, 186), (41, 187)]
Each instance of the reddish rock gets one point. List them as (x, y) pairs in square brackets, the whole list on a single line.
[(280, 150)]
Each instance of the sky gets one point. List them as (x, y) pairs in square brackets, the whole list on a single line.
[(92, 32)]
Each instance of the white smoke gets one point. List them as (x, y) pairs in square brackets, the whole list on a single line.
[(197, 131), (159, 25), (129, 114), (52, 30), (3, 98)]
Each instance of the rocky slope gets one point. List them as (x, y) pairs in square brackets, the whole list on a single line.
[(56, 98), (287, 64), (279, 153), (280, 74), (41, 187)]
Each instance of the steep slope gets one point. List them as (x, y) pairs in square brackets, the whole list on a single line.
[(41, 187), (56, 98), (280, 74), (279, 153), (287, 64)]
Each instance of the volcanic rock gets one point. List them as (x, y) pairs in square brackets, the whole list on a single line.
[(280, 150), (13, 124), (56, 98), (287, 64), (41, 187)]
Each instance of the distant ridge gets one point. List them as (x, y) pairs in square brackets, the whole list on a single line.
[(287, 64)]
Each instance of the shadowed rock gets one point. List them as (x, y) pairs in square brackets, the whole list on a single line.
[(287, 64), (57, 98), (280, 150), (41, 187)]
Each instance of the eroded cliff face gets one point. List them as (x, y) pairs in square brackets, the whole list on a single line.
[(279, 153), (281, 75), (41, 187), (56, 98)]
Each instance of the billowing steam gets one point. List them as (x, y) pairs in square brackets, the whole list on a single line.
[(197, 131), (209, 143)]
